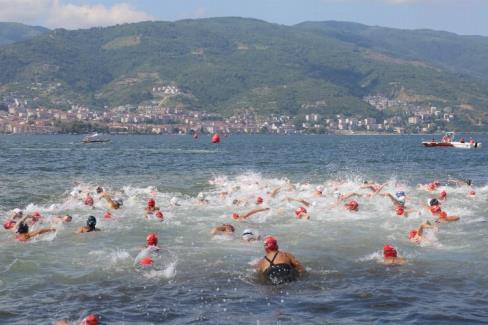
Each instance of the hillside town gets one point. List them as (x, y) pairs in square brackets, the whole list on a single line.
[(16, 116)]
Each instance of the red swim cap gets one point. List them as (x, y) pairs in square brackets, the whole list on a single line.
[(431, 186), (270, 244), (352, 205), (235, 216), (152, 239), (389, 251), (107, 215), (90, 320), (146, 261), (36, 215), (88, 200), (299, 211), (259, 200), (412, 234), (472, 193), (159, 215), (216, 138), (8, 224), (443, 215), (400, 210), (443, 195), (435, 209), (151, 202)]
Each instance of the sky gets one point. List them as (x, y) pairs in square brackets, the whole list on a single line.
[(467, 17)]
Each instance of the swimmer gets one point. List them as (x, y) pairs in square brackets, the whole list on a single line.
[(9, 224), (398, 199), (224, 229), (276, 266), (302, 201), (319, 190), (442, 196), (301, 213), (460, 182), (112, 204), (246, 215), (88, 320), (91, 222), (442, 215), (402, 211), (376, 188), (471, 194), (24, 234), (430, 187), (250, 235), (62, 219), (416, 235), (88, 200), (150, 207), (151, 240), (259, 200), (17, 214), (342, 197), (390, 256), (202, 200), (352, 206), (174, 202)]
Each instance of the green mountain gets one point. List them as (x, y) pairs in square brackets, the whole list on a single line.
[(231, 64), (15, 32)]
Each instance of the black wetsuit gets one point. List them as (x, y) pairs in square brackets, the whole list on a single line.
[(279, 273)]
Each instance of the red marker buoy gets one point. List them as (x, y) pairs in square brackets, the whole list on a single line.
[(216, 138)]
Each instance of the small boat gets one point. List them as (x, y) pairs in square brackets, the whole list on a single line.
[(95, 138), (448, 142)]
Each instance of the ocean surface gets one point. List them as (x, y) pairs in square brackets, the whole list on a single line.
[(203, 279)]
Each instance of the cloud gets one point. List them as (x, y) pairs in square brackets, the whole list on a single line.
[(56, 13)]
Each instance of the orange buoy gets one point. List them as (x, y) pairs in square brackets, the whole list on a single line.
[(216, 138)]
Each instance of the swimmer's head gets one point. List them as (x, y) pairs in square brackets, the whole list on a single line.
[(234, 216), (152, 239), (107, 215), (319, 189), (120, 202), (400, 194), (249, 235), (300, 211), (174, 201), (442, 195), (389, 251), (433, 202), (23, 228), (17, 212), (270, 244), (435, 209), (412, 234), (36, 215), (259, 200), (99, 189), (8, 224), (88, 200), (352, 206), (400, 210), (228, 227), (337, 194), (146, 261), (201, 196), (90, 320), (472, 193), (159, 214), (67, 218), (91, 222), (469, 182), (151, 203)]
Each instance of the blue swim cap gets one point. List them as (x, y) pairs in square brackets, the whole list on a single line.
[(400, 194)]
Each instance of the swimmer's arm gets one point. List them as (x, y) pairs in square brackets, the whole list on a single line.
[(41, 231), (275, 192), (254, 211), (380, 188), (452, 218), (349, 195), (302, 201), (296, 263)]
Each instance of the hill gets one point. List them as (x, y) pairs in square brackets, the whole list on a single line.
[(232, 64), (15, 32)]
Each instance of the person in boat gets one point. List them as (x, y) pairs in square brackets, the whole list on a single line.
[(224, 229), (112, 204), (462, 140), (24, 234), (278, 266), (390, 256), (244, 216), (472, 141), (417, 235), (91, 223)]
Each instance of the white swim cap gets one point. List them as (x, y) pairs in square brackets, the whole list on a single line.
[(337, 194), (17, 210), (201, 196), (319, 188), (174, 201), (248, 235)]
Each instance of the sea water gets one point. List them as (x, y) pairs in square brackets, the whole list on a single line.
[(200, 278)]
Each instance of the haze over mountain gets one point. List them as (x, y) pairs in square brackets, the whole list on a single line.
[(233, 64), (15, 32)]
